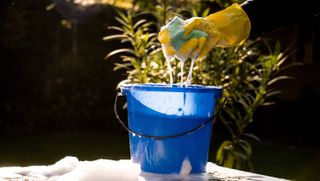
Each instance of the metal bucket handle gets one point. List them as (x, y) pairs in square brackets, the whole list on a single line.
[(164, 136)]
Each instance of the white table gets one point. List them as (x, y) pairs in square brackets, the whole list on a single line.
[(71, 169)]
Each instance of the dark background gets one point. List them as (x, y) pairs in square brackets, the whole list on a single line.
[(53, 73), (54, 79)]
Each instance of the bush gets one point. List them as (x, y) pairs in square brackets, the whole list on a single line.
[(246, 72)]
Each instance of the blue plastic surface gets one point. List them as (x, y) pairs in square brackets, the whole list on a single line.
[(159, 110)]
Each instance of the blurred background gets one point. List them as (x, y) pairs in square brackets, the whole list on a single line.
[(57, 90)]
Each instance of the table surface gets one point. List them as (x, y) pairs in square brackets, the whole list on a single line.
[(71, 169)]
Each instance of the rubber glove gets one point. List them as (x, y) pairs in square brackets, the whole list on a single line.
[(226, 28), (176, 43)]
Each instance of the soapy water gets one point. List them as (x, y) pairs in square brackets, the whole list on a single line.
[(185, 167), (170, 72), (182, 61), (189, 77), (181, 73)]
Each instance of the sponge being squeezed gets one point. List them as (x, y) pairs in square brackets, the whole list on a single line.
[(176, 43)]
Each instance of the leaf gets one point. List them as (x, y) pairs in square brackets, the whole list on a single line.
[(119, 66), (123, 50), (231, 115), (250, 97), (205, 12), (244, 103), (246, 146), (125, 17), (114, 37), (281, 60), (272, 93), (152, 45), (229, 161), (240, 157), (145, 28), (194, 12), (153, 35), (139, 23), (246, 99), (116, 28), (221, 150), (291, 65), (155, 51), (277, 48), (135, 64), (251, 136), (142, 13), (123, 23), (276, 79), (268, 103), (126, 58)]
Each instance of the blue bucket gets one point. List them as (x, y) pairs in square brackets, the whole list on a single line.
[(169, 126)]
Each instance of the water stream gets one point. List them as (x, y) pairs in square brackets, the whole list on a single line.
[(189, 78), (181, 73), (170, 70)]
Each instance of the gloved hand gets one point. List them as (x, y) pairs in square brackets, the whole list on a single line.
[(225, 28), (176, 43)]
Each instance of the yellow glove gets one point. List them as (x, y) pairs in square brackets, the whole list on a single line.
[(176, 43), (225, 28)]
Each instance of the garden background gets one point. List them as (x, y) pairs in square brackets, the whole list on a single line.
[(57, 90)]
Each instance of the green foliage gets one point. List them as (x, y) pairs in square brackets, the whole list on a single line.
[(226, 3), (166, 10), (141, 59), (246, 73)]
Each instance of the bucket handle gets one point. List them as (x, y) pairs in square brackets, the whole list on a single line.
[(164, 136)]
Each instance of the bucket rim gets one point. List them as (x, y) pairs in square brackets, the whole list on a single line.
[(169, 88)]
